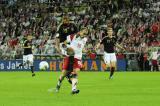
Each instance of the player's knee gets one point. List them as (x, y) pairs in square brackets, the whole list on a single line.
[(61, 77), (63, 73)]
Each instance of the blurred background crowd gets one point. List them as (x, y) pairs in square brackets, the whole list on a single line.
[(136, 23)]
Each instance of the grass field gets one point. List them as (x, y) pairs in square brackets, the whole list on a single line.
[(126, 89)]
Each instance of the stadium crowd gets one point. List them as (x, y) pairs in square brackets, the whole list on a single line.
[(136, 23)]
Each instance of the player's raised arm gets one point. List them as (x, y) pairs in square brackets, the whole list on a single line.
[(119, 46)]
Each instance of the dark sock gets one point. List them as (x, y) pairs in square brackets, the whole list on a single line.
[(112, 71), (68, 78), (32, 69)]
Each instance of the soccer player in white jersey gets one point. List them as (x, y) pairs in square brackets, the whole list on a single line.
[(75, 45)]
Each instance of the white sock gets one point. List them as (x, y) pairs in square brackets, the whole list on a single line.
[(74, 84)]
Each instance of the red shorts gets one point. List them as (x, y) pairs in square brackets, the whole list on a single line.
[(154, 62), (77, 63)]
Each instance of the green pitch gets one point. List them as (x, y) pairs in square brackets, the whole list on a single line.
[(126, 89)]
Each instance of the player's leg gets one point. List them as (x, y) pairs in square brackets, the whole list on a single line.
[(68, 77), (61, 78), (77, 66), (64, 72), (112, 69), (70, 68), (74, 79), (31, 63), (20, 65), (71, 53), (24, 63), (156, 65), (70, 63), (106, 59), (112, 65), (67, 68)]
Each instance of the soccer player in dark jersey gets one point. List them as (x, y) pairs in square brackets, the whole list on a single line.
[(28, 56), (109, 42), (64, 30), (77, 43)]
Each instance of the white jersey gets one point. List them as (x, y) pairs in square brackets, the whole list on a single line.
[(77, 43), (155, 55)]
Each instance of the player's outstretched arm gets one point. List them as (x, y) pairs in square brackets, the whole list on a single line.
[(120, 47)]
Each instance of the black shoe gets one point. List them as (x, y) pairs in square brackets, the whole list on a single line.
[(20, 65), (33, 74), (75, 91)]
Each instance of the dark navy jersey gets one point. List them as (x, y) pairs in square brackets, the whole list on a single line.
[(109, 44), (27, 50), (65, 30)]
